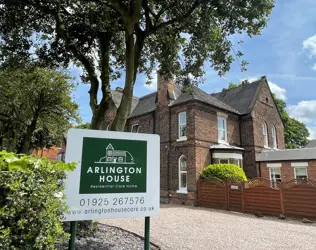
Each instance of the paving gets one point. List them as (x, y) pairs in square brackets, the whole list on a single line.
[(195, 228)]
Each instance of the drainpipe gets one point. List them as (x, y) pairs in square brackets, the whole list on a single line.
[(240, 137), (154, 121), (168, 151)]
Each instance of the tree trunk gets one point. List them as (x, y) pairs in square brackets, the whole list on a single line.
[(25, 144), (107, 103), (125, 107)]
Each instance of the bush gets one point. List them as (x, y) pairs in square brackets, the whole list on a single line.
[(31, 207), (224, 172)]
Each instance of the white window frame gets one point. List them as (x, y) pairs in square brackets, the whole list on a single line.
[(182, 138), (134, 125), (181, 189), (221, 129), (265, 134), (274, 137), (294, 168), (229, 157), (297, 165), (274, 180)]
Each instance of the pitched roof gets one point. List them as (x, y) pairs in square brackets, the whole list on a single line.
[(145, 105), (241, 98), (117, 97), (288, 154), (199, 95), (311, 144)]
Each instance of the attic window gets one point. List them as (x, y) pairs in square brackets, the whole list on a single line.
[(267, 99)]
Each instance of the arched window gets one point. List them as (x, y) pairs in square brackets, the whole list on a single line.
[(265, 134), (274, 137), (183, 174)]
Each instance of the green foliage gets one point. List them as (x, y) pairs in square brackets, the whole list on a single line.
[(109, 37), (31, 207), (295, 132), (36, 107), (84, 125), (224, 172)]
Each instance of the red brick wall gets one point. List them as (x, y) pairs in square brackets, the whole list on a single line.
[(205, 126), (145, 123), (51, 153), (265, 111), (287, 171)]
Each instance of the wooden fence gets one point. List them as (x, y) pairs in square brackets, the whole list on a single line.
[(296, 198)]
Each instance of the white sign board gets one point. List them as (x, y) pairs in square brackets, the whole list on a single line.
[(117, 175)]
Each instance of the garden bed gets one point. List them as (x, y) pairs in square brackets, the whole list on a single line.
[(109, 238)]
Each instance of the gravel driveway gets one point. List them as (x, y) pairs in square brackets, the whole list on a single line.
[(184, 228)]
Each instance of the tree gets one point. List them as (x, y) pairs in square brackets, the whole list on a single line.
[(295, 132), (107, 37), (84, 125), (35, 108)]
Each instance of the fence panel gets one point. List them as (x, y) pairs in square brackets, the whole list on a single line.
[(300, 198), (212, 193), (259, 196), (235, 196)]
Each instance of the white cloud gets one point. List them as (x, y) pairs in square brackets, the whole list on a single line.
[(153, 84), (314, 67), (304, 111), (310, 45), (276, 89), (312, 133)]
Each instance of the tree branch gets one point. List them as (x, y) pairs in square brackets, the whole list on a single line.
[(196, 4), (149, 23), (61, 31)]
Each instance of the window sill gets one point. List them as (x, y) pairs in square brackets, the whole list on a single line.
[(182, 139), (183, 191), (223, 142)]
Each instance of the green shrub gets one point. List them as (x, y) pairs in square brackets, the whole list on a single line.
[(224, 172), (31, 207)]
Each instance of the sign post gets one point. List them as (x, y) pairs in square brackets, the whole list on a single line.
[(117, 176), (147, 233), (73, 229)]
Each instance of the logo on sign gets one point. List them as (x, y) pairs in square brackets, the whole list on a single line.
[(113, 166)]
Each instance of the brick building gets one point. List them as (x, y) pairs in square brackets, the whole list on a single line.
[(286, 165), (55, 153), (197, 129)]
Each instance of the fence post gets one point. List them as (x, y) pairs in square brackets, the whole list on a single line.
[(242, 188), (197, 192), (282, 198)]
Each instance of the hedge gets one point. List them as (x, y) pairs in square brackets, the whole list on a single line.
[(224, 172), (31, 202)]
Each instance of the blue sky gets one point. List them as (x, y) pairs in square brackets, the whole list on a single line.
[(285, 53)]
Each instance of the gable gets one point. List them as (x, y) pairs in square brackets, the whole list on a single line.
[(264, 98), (241, 98)]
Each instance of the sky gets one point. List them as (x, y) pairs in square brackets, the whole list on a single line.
[(285, 53)]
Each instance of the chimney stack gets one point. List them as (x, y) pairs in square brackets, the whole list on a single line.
[(165, 90), (119, 89)]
